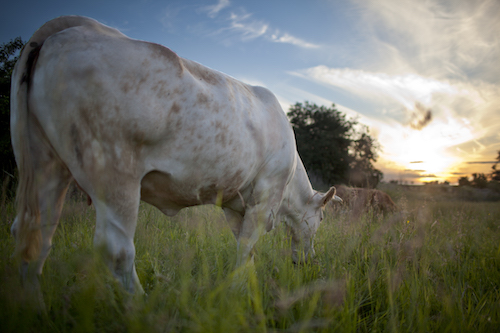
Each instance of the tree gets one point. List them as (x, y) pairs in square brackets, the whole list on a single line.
[(479, 180), (322, 140), (8, 59), (463, 181), (362, 173), (495, 175), (331, 148)]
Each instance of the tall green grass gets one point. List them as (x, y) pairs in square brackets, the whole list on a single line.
[(435, 266)]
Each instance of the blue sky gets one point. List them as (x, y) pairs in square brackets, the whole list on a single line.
[(386, 62)]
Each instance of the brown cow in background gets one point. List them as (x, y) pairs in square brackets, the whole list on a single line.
[(360, 200)]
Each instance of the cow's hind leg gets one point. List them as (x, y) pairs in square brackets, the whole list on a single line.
[(117, 210), (51, 183), (51, 197)]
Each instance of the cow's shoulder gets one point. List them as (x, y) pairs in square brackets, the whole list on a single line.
[(202, 73), (95, 40)]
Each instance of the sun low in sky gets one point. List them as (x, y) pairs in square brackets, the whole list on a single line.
[(423, 75)]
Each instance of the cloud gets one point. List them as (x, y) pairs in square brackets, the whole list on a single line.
[(469, 108), (213, 10), (247, 27), (250, 28), (405, 89), (483, 162), (288, 39), (243, 25), (452, 39), (409, 98), (170, 17), (438, 54)]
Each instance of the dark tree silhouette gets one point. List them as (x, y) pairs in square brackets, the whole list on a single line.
[(8, 59), (362, 173), (495, 175), (479, 180), (464, 181), (331, 148)]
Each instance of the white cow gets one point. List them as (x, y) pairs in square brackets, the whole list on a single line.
[(130, 120)]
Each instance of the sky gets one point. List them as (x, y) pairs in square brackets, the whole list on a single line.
[(424, 76)]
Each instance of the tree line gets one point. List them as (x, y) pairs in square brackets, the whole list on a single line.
[(334, 149), (481, 180)]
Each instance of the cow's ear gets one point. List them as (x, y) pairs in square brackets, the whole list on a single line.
[(330, 195)]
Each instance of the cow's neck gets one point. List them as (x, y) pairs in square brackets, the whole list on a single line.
[(298, 194), (302, 183)]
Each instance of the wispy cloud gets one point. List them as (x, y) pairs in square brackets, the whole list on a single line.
[(406, 89), (437, 38), (247, 27), (213, 10), (288, 39), (170, 17), (237, 22)]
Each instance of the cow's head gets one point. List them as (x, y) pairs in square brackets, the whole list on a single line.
[(304, 232)]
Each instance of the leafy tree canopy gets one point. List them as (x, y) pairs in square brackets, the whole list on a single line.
[(8, 58), (332, 147)]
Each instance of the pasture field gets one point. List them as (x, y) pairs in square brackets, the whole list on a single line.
[(433, 267)]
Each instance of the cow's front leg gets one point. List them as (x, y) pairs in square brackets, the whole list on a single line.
[(255, 222), (246, 229), (114, 235), (246, 242)]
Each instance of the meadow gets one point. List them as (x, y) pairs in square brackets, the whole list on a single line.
[(432, 267)]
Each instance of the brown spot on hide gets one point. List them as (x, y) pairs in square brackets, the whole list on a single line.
[(220, 138), (161, 89), (201, 98), (126, 86), (175, 108)]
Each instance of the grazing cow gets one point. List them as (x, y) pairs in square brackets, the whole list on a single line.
[(360, 200), (130, 120)]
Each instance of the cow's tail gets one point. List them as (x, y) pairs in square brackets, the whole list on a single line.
[(27, 226)]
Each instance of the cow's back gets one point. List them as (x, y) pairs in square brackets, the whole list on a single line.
[(109, 104)]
